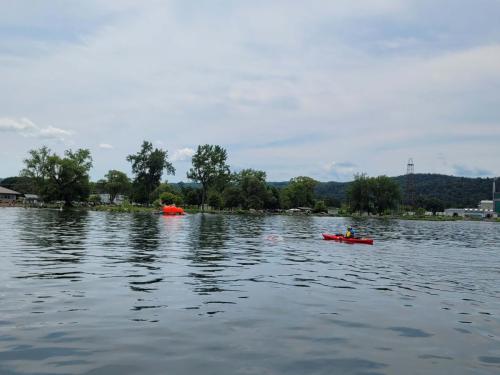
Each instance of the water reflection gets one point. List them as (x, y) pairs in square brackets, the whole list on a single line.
[(252, 232), (209, 232), (144, 233), (144, 241), (207, 252), (55, 241)]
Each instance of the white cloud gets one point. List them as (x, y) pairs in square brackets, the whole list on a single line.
[(22, 126), (183, 154), (339, 166), (27, 128), (339, 171), (54, 133), (105, 146)]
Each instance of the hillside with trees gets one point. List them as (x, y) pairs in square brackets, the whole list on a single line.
[(457, 192), (450, 191)]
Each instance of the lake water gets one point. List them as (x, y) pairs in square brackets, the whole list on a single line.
[(102, 293)]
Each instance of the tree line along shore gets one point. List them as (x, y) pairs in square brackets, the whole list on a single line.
[(65, 179)]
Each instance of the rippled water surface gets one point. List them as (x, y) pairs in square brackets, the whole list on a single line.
[(101, 293)]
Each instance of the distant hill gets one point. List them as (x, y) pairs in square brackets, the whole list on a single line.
[(332, 190), (452, 191)]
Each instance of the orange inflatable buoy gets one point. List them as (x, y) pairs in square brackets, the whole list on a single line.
[(172, 210)]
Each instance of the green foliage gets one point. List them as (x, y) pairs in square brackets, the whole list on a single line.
[(420, 212), (209, 168), (332, 202), (164, 187), (253, 188), (386, 194), (319, 207), (95, 199), (170, 198), (450, 191), (344, 210), (299, 192), (192, 196), (59, 178), (430, 204), (148, 166), (360, 194), (116, 183), (215, 200), (232, 197), (334, 191), (37, 164), (98, 187), (248, 190), (273, 198), (373, 194)]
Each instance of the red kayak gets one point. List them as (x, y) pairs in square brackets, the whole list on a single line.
[(341, 238)]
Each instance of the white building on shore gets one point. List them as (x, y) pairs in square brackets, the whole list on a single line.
[(486, 205), (8, 196), (477, 213)]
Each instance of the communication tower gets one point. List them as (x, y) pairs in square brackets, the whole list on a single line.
[(410, 183)]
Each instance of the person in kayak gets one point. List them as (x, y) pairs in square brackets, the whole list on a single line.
[(349, 233)]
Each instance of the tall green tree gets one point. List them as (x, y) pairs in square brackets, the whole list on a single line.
[(148, 166), (215, 199), (273, 198), (373, 194), (37, 168), (231, 196), (191, 196), (209, 168), (253, 188), (359, 194), (299, 192), (99, 187), (116, 183), (386, 194), (60, 178)]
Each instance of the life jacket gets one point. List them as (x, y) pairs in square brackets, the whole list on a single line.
[(348, 234)]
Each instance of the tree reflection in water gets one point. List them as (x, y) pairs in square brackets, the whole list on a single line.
[(144, 241), (207, 252), (56, 240), (249, 229)]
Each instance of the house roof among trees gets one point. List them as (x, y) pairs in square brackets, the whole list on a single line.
[(8, 191)]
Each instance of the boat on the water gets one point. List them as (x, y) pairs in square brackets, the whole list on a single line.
[(341, 238), (172, 210)]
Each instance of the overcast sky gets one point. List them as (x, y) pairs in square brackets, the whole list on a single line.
[(318, 88)]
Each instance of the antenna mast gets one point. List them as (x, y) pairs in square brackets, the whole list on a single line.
[(410, 183)]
